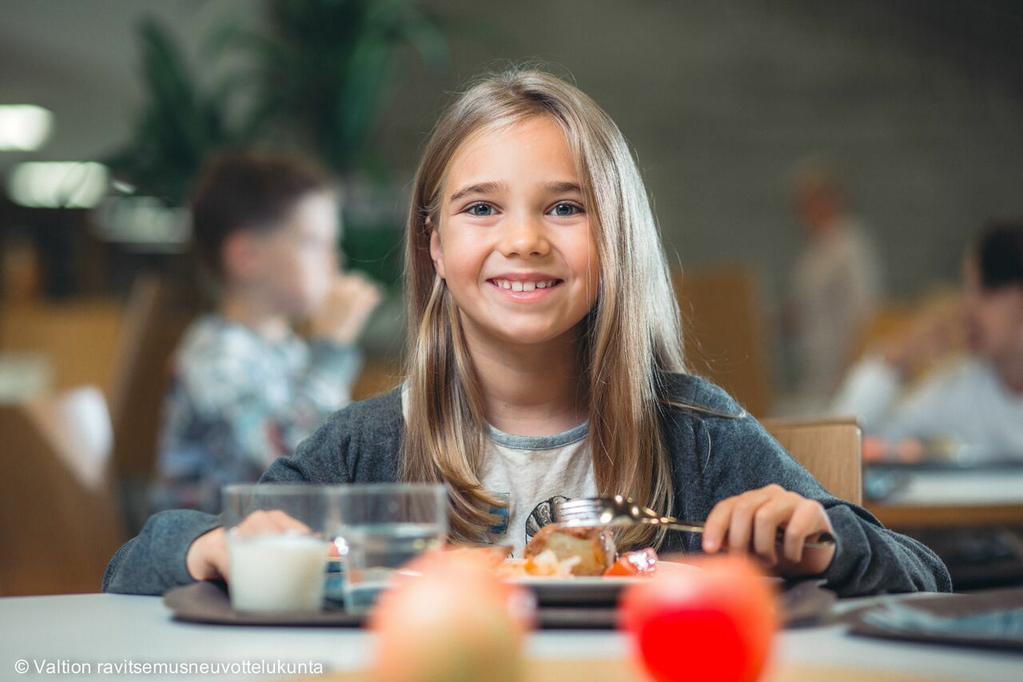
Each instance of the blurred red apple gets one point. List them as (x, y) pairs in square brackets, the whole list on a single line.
[(448, 617), (717, 623)]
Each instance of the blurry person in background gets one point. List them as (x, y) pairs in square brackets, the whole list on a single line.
[(835, 285), (972, 408), (246, 388)]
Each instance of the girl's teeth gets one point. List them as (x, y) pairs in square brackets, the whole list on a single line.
[(524, 286)]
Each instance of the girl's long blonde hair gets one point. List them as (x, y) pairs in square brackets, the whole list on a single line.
[(631, 335)]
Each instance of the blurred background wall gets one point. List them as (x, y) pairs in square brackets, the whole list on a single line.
[(919, 104)]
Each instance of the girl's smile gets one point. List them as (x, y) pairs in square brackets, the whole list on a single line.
[(525, 287)]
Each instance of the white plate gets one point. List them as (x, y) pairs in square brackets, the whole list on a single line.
[(577, 591), (595, 591)]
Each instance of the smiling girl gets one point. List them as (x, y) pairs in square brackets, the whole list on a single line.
[(545, 359)]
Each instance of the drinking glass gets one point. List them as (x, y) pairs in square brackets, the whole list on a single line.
[(275, 569), (382, 528)]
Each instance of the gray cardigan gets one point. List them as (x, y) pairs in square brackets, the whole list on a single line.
[(717, 451)]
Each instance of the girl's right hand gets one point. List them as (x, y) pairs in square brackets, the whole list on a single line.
[(208, 558)]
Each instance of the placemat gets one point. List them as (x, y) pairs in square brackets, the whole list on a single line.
[(208, 602)]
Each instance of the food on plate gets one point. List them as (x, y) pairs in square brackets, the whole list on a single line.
[(640, 562), (559, 552), (726, 611), (591, 551), (449, 617)]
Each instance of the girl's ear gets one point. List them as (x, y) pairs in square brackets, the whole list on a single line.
[(436, 253)]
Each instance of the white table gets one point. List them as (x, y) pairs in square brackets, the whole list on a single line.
[(113, 629), (965, 488), (947, 499)]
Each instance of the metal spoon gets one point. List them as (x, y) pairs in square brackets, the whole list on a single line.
[(623, 511)]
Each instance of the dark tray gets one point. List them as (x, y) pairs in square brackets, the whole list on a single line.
[(207, 602), (993, 602)]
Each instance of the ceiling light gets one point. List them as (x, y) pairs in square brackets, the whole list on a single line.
[(58, 184), (24, 127)]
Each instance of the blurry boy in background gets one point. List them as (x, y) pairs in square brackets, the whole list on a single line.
[(971, 408), (835, 285), (246, 388)]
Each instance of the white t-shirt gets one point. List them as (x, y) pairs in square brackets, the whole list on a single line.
[(529, 470), (967, 402)]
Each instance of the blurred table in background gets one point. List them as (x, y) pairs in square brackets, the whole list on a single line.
[(972, 518), (952, 497)]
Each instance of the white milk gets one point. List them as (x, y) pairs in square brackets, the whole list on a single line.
[(277, 573)]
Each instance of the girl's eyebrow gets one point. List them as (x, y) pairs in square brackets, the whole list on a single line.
[(478, 188), (563, 187)]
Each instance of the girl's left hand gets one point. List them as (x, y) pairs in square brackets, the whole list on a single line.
[(750, 522)]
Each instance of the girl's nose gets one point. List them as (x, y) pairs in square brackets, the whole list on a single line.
[(524, 238)]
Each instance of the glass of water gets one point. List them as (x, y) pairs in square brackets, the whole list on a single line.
[(382, 528), (278, 564)]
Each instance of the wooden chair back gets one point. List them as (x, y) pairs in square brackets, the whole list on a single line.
[(724, 333), (830, 449), (60, 521), (155, 320)]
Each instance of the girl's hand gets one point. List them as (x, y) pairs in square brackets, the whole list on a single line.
[(750, 522), (208, 558)]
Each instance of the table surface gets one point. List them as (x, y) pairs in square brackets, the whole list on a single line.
[(98, 628)]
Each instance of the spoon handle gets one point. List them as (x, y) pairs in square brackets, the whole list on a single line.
[(824, 541)]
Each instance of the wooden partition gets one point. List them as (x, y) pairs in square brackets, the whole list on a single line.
[(723, 330), (78, 339)]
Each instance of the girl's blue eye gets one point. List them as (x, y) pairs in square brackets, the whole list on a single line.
[(481, 210), (566, 210)]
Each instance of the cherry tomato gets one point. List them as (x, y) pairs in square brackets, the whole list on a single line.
[(639, 562)]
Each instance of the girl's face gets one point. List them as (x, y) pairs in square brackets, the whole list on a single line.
[(994, 318), (514, 241)]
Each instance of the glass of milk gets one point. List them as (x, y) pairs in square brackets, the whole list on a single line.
[(382, 528), (278, 538)]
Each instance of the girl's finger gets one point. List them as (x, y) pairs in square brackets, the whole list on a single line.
[(717, 524), (766, 520), (221, 559), (283, 522), (740, 527), (270, 522), (806, 520)]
